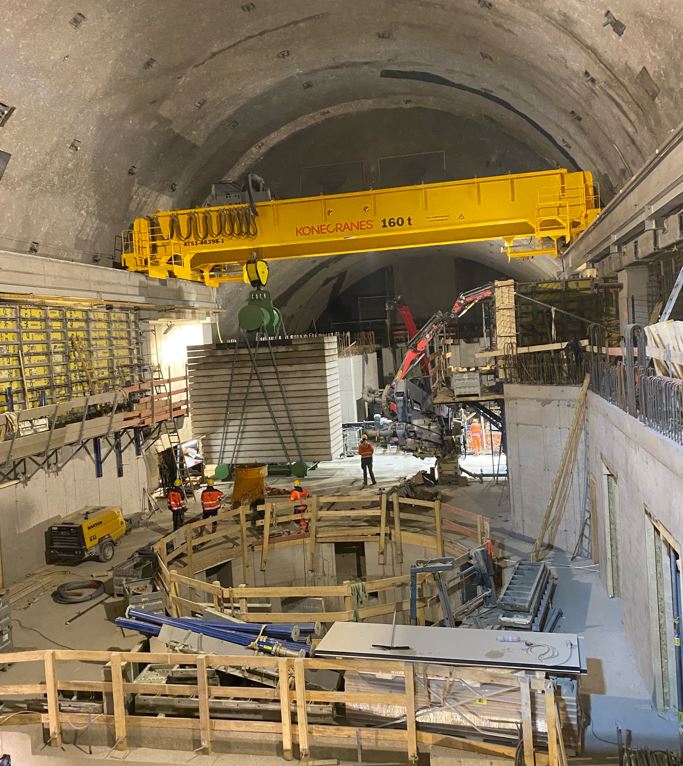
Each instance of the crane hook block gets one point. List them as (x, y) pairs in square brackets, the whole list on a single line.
[(259, 314), (256, 273)]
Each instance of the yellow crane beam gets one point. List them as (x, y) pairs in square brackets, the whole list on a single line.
[(532, 213)]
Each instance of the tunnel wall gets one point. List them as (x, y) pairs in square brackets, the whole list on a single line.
[(648, 469), (27, 510)]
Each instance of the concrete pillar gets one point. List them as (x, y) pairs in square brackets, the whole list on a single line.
[(633, 296)]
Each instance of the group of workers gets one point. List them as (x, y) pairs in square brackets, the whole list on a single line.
[(212, 497)]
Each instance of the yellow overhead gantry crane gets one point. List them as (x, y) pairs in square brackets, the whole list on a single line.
[(532, 213)]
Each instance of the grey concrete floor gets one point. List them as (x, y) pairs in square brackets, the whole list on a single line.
[(614, 692)]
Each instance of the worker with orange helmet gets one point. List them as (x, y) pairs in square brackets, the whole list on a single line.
[(366, 451), (177, 503), (211, 499), (298, 494)]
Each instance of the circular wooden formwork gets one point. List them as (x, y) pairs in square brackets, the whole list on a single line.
[(394, 532)]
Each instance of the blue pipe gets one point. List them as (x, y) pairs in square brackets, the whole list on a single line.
[(141, 627), (241, 639), (275, 630)]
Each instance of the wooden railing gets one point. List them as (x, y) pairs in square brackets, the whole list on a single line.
[(387, 520), (292, 697)]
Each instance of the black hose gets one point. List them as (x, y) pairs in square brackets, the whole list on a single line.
[(78, 591)]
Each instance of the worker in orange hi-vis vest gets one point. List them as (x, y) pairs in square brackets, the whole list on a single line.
[(366, 450), (211, 502), (177, 503), (298, 494), (475, 437)]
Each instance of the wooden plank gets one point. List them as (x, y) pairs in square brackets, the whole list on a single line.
[(416, 502), (411, 713), (10, 690), (382, 528), (203, 696), (527, 725), (266, 536), (245, 549), (551, 718), (312, 533), (438, 531), (285, 708), (560, 740), (301, 712), (396, 537), (189, 543), (52, 699), (120, 729)]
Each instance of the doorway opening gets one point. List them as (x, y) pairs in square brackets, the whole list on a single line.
[(349, 559), (664, 583), (611, 534)]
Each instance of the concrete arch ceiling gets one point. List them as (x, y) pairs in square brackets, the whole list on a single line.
[(122, 109)]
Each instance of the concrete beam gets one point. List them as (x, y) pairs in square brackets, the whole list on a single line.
[(651, 195), (36, 276)]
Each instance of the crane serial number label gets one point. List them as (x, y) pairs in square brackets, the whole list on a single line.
[(333, 228), (196, 242)]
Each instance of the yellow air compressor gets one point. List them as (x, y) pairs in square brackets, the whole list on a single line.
[(89, 533)]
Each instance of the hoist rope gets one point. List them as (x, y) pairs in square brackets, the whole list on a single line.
[(267, 400), (286, 403)]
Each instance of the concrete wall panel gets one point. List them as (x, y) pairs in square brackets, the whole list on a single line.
[(538, 420)]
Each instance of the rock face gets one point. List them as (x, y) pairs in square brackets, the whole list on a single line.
[(275, 403)]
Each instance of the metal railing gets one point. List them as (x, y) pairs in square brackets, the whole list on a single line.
[(626, 380), (545, 368)]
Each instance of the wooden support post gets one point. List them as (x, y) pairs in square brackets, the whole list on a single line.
[(203, 696), (560, 741), (52, 700), (120, 729), (382, 527), (398, 546), (285, 708), (188, 549), (348, 601), (244, 605), (245, 548), (411, 719), (438, 531), (266, 536), (312, 532), (175, 611), (551, 719), (527, 727), (301, 712), (480, 530), (217, 597)]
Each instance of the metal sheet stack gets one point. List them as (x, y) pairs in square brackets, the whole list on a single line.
[(526, 602), (285, 409)]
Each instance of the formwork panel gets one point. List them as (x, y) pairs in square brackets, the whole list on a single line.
[(282, 407)]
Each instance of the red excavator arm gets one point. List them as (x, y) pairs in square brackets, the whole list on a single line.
[(411, 327), (418, 345)]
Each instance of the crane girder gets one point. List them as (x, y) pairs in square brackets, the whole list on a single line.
[(532, 213)]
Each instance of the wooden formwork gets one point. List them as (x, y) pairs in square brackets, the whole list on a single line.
[(293, 695), (387, 520)]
